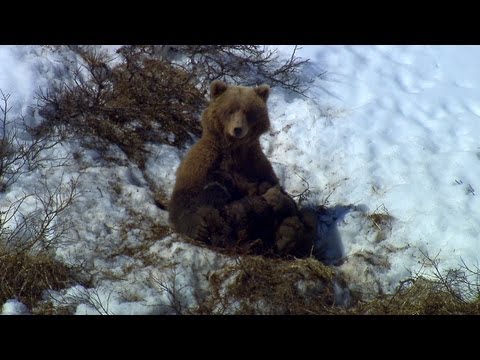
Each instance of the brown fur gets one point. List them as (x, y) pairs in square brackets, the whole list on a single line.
[(226, 192)]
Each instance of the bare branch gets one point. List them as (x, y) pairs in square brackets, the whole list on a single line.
[(304, 195), (241, 64)]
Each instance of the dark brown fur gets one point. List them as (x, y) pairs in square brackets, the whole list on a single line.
[(226, 192)]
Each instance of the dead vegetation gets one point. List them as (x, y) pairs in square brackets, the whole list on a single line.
[(26, 276), (381, 222), (28, 241), (137, 101), (429, 291), (246, 65), (419, 296), (41, 230), (18, 156), (258, 285), (31, 227)]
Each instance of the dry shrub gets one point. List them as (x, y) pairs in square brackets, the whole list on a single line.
[(19, 156), (258, 285), (139, 100), (247, 65), (448, 292), (26, 276), (418, 297)]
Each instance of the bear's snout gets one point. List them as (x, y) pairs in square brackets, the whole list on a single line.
[(238, 127)]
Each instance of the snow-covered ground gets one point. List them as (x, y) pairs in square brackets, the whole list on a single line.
[(393, 128), (387, 140)]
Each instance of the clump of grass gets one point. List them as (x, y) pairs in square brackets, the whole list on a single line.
[(26, 276), (381, 222), (419, 296), (454, 291), (258, 285)]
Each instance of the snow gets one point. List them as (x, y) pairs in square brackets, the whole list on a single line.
[(387, 129), (406, 139), (14, 307)]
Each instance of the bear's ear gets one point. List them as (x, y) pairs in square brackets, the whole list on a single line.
[(217, 88), (263, 91)]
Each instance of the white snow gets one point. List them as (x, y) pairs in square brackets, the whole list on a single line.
[(14, 307), (387, 129)]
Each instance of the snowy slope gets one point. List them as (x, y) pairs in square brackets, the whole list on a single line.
[(402, 134), (389, 130)]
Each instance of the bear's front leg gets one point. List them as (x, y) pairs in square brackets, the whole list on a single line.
[(212, 227)]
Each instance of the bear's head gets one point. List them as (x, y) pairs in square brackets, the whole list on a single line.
[(237, 113)]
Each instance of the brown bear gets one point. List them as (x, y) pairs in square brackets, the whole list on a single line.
[(226, 192)]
